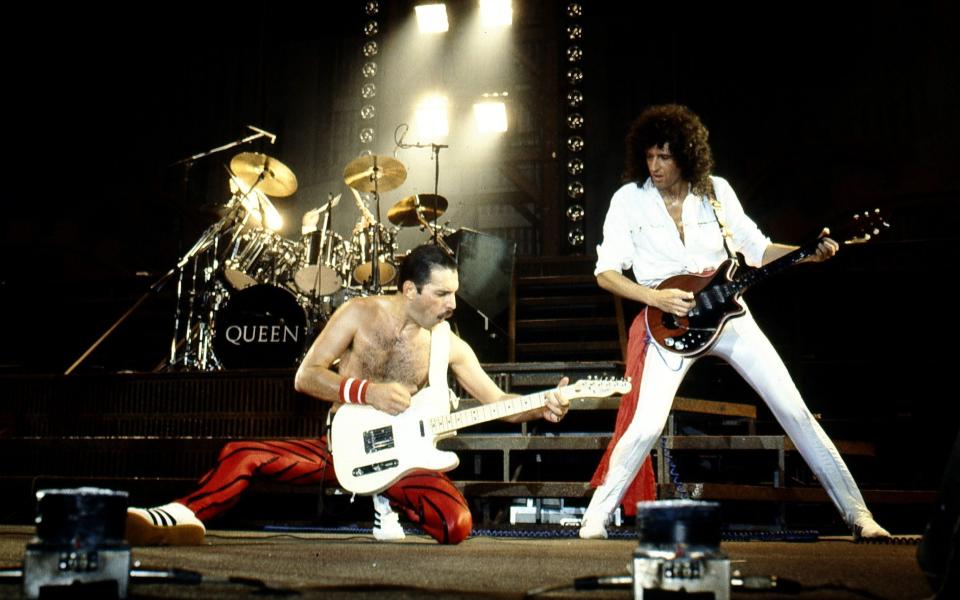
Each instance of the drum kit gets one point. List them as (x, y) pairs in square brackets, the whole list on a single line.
[(249, 298)]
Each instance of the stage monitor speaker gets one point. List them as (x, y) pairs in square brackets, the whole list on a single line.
[(485, 265), (939, 551)]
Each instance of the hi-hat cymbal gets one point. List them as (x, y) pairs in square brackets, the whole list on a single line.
[(359, 174), (404, 213), (275, 178)]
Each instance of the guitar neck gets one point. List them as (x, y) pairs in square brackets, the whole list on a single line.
[(487, 412), (786, 261)]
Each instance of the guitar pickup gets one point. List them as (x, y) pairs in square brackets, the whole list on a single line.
[(375, 440), (375, 467)]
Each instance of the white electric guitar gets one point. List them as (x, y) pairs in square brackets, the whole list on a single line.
[(372, 449)]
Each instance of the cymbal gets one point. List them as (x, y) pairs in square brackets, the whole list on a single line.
[(359, 174), (278, 180), (404, 213)]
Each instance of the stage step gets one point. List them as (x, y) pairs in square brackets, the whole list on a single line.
[(558, 310)]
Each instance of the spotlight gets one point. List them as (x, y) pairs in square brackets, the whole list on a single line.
[(490, 115), (371, 29), (368, 90), (369, 69), (574, 98), (574, 32), (575, 213), (575, 121), (574, 10), (575, 166), (575, 190), (367, 112), (575, 236), (574, 54), (496, 13), (575, 143), (575, 76), (370, 49), (431, 117), (367, 135), (432, 18), (372, 7)]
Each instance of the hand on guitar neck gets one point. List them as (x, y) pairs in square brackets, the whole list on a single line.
[(686, 313)]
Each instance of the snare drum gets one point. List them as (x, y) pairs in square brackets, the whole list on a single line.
[(323, 259), (260, 326)]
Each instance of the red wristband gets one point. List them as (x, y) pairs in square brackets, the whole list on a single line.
[(353, 391)]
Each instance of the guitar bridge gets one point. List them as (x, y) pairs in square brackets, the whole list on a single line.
[(375, 440)]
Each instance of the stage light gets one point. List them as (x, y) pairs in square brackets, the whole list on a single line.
[(575, 76), (368, 90), (367, 112), (575, 143), (490, 114), (432, 18), (574, 98), (370, 49), (574, 54), (369, 69), (367, 135), (496, 13), (372, 7), (575, 166), (575, 190), (574, 10), (575, 236), (430, 117), (575, 121), (575, 213), (575, 32), (371, 29)]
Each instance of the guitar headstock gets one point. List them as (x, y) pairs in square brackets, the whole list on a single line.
[(595, 388), (862, 228)]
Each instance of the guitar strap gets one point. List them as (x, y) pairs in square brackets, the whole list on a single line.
[(440, 359), (718, 213)]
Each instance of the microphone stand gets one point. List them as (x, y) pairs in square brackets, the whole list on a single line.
[(435, 148), (375, 230), (206, 238)]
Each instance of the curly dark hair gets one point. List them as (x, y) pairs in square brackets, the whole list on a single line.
[(681, 128)]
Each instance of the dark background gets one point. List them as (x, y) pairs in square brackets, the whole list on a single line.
[(815, 109)]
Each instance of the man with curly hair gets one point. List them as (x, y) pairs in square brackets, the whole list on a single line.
[(671, 217)]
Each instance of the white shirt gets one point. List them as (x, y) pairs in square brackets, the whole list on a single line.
[(639, 233)]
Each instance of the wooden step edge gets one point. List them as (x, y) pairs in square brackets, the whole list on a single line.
[(567, 323)]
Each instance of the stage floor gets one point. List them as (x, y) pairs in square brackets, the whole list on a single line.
[(351, 566)]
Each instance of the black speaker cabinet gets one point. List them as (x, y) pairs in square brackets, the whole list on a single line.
[(485, 265)]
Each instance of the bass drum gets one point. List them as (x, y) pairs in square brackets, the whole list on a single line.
[(262, 326)]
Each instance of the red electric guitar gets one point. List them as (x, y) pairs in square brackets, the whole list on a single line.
[(717, 294)]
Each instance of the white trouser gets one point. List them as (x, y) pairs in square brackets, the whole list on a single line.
[(748, 350)]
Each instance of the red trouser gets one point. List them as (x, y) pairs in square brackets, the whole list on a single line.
[(428, 499)]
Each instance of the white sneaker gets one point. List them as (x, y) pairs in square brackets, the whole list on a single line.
[(386, 522), (171, 524), (867, 529), (592, 529)]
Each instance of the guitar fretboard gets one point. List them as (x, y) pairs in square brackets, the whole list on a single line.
[(487, 412)]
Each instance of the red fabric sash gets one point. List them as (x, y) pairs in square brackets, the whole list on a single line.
[(644, 485)]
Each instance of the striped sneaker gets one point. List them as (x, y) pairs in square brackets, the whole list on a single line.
[(386, 522), (169, 525)]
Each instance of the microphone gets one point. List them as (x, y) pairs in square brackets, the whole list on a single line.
[(272, 136)]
